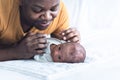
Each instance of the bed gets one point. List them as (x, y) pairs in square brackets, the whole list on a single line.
[(99, 28)]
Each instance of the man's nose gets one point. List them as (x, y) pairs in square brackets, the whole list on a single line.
[(46, 16)]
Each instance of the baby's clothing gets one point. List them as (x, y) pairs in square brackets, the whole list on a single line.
[(46, 57)]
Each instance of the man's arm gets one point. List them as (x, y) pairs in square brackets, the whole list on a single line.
[(31, 45), (9, 54)]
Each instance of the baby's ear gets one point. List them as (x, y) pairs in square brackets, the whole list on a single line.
[(52, 46)]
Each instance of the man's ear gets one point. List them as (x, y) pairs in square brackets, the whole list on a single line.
[(21, 3)]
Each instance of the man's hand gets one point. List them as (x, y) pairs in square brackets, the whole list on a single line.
[(71, 35), (32, 44)]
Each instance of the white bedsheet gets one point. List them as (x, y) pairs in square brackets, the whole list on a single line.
[(102, 62)]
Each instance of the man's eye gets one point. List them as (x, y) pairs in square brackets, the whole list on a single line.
[(54, 9), (36, 10)]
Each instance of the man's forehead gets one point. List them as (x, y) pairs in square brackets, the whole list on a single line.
[(29, 1), (42, 3)]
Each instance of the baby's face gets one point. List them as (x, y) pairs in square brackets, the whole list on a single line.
[(62, 52)]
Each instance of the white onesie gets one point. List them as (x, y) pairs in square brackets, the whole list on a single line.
[(46, 57)]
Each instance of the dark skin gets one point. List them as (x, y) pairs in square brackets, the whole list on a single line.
[(38, 13), (68, 52)]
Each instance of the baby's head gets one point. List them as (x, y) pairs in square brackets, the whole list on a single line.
[(68, 52)]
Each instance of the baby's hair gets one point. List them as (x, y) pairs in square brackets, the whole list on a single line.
[(79, 53)]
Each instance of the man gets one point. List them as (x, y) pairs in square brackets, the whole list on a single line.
[(24, 23)]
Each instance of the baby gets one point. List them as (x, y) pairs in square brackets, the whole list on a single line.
[(59, 51)]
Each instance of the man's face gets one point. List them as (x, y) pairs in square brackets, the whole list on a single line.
[(63, 52), (40, 13)]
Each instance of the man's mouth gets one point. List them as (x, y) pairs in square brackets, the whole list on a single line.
[(44, 24)]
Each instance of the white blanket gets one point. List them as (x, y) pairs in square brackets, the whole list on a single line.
[(102, 60)]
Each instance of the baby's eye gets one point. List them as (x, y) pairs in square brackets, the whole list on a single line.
[(71, 53), (59, 48), (59, 57)]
